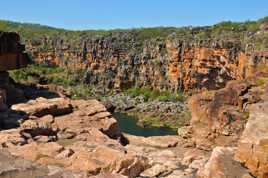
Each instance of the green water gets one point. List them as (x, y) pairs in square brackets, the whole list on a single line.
[(128, 124)]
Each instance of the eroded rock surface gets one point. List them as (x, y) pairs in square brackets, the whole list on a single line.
[(222, 165), (219, 117), (78, 135), (252, 147), (120, 60)]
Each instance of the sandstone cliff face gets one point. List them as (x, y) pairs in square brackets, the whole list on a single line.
[(236, 116), (171, 64), (12, 54)]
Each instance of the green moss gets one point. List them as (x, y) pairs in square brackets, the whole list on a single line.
[(261, 81)]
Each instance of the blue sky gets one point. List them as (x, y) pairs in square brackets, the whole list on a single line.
[(109, 14)]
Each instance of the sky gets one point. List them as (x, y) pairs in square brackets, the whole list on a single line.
[(111, 14)]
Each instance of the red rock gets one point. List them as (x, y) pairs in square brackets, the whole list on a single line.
[(218, 113), (42, 106), (12, 54), (222, 165), (154, 141), (253, 144)]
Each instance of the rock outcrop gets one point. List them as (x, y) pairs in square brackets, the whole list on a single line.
[(218, 113), (233, 116), (12, 56), (87, 141), (252, 147), (222, 165), (78, 135)]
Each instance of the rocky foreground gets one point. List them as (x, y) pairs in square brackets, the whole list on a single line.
[(60, 137)]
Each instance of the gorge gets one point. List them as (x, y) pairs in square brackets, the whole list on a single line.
[(61, 93)]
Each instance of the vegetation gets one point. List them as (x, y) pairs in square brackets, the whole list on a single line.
[(150, 94), (172, 122), (70, 80), (261, 81), (248, 31)]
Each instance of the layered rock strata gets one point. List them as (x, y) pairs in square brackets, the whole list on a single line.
[(172, 64)]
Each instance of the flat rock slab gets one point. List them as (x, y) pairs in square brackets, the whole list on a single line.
[(42, 106), (154, 141)]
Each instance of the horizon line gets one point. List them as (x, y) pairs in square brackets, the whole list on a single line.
[(128, 28)]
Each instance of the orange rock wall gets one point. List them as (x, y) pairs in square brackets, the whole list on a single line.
[(182, 67)]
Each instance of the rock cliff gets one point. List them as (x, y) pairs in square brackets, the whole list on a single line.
[(12, 56), (173, 64)]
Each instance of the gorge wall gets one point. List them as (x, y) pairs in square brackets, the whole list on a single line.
[(120, 61), (12, 56)]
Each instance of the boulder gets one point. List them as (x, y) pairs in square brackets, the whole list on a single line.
[(104, 158), (154, 171), (43, 126), (88, 114), (253, 144), (222, 165)]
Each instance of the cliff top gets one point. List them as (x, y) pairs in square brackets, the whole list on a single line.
[(246, 32)]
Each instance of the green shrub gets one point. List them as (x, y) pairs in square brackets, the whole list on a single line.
[(80, 91), (261, 81), (150, 94)]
